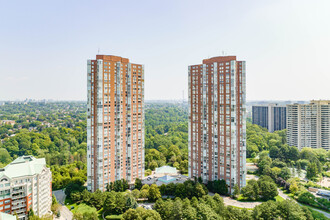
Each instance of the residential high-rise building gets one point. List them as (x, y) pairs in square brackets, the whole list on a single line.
[(217, 120), (26, 183), (308, 125), (115, 121), (272, 116)]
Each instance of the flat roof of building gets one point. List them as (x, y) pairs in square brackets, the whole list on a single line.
[(166, 169), (5, 216)]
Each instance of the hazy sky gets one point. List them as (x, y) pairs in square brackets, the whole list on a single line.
[(44, 45)]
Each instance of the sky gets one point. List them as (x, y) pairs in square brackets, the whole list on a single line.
[(44, 45)]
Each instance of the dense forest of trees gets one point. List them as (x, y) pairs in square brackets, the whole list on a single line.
[(166, 141)]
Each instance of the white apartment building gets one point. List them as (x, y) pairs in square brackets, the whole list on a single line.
[(26, 183), (308, 125)]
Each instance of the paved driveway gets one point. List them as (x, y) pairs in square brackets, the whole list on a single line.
[(60, 196), (229, 201), (65, 212)]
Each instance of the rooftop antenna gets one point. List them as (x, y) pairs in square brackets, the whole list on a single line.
[(98, 50)]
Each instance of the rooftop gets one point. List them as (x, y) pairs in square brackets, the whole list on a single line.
[(219, 59), (166, 169), (4, 216), (23, 166), (166, 179)]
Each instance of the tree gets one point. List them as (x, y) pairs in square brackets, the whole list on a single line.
[(293, 153), (311, 170), (307, 198), (205, 212), (251, 190), (218, 186), (285, 173), (274, 152), (268, 190), (153, 165), (294, 187), (110, 202), (267, 210), (177, 209), (136, 193), (4, 156), (289, 209), (154, 193), (138, 184), (236, 191), (199, 190), (131, 203), (298, 169)]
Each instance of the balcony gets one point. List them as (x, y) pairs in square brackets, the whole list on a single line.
[(18, 207), (20, 196)]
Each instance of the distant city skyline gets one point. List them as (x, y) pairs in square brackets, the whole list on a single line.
[(44, 45)]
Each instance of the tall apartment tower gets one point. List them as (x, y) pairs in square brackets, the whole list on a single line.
[(272, 116), (115, 121), (217, 120), (308, 125)]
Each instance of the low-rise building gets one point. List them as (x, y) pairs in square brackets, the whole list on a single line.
[(7, 122), (26, 183)]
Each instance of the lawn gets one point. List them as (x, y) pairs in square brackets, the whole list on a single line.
[(317, 215), (115, 217), (82, 208), (241, 198), (250, 160), (242, 208), (279, 198), (312, 207)]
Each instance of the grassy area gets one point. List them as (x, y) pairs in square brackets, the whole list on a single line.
[(291, 195), (242, 208), (241, 198), (317, 215), (82, 208), (312, 207), (115, 217), (250, 160), (279, 198)]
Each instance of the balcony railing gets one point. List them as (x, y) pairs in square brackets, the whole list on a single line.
[(18, 207)]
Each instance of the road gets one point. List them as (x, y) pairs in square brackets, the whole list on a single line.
[(65, 212), (229, 201), (60, 196)]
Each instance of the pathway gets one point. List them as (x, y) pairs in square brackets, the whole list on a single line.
[(229, 201), (66, 214)]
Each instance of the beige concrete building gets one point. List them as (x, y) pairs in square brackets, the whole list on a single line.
[(115, 121), (26, 183), (308, 125), (217, 120)]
